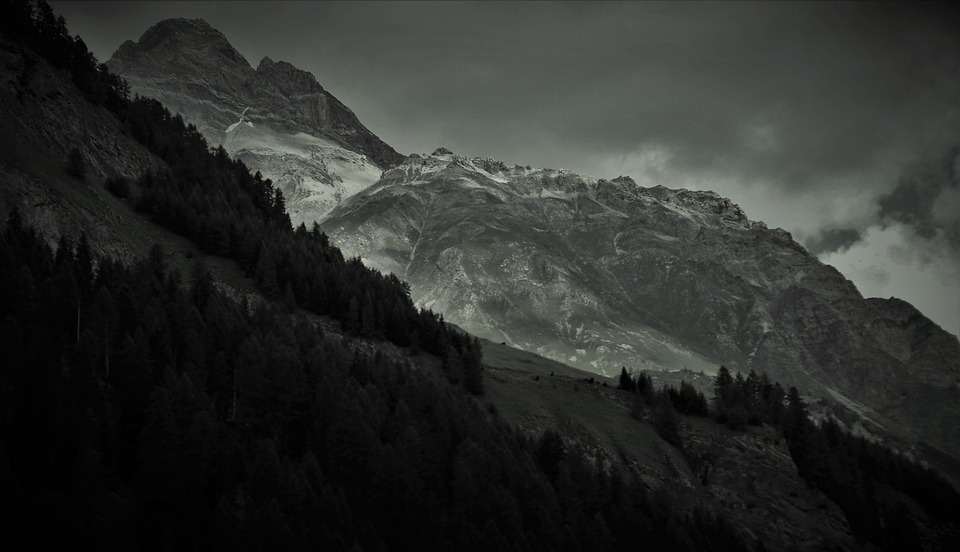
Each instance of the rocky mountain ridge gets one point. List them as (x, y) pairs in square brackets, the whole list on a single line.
[(601, 274), (276, 118)]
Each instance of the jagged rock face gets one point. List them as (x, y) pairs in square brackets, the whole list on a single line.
[(183, 51), (276, 118), (600, 274)]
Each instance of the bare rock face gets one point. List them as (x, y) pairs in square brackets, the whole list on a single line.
[(184, 51), (43, 116), (276, 118), (601, 274)]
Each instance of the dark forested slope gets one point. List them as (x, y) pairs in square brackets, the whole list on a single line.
[(142, 413)]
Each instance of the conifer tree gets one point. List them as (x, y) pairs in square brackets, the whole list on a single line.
[(626, 381)]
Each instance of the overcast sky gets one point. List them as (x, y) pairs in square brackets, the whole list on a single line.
[(837, 122)]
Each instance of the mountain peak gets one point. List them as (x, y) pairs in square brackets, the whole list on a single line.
[(177, 39), (268, 64), (180, 30), (193, 69)]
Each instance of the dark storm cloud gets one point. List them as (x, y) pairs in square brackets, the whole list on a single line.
[(834, 239), (925, 199)]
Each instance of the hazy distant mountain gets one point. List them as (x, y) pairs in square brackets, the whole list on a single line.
[(276, 118), (605, 273)]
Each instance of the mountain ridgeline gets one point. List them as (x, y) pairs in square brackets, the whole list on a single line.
[(591, 272), (198, 59)]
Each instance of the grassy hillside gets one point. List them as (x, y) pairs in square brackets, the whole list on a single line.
[(749, 476)]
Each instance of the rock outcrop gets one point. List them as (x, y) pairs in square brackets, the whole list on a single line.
[(43, 117)]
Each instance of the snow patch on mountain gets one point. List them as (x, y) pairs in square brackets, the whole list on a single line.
[(276, 118), (314, 173)]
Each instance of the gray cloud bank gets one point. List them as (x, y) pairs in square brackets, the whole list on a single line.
[(926, 198)]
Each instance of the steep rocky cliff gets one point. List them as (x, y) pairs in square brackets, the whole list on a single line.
[(276, 118)]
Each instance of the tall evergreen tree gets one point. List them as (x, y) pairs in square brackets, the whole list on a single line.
[(626, 381)]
